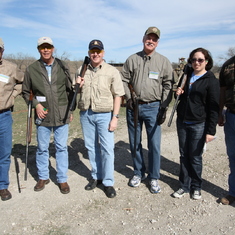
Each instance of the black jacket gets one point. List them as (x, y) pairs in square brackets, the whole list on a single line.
[(201, 104)]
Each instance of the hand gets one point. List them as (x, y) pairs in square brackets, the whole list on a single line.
[(179, 91), (161, 117), (80, 81), (221, 120), (129, 104), (113, 124), (41, 113), (209, 138)]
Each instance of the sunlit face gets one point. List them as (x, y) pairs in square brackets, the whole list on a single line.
[(150, 43), (1, 52), (199, 62), (96, 57), (46, 51)]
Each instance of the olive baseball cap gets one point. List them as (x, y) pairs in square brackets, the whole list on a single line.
[(154, 30), (43, 40), (96, 44), (1, 43)]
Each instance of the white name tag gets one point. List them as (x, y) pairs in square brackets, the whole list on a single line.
[(41, 98), (153, 75), (4, 78)]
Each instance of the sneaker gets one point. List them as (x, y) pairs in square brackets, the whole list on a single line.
[(134, 181), (179, 193), (227, 200), (154, 187), (196, 194)]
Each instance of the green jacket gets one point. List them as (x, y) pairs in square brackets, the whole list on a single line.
[(54, 96)]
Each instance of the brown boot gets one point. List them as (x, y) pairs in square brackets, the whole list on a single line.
[(5, 194), (64, 188), (227, 200), (41, 185)]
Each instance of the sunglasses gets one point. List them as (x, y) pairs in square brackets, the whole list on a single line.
[(93, 51), (43, 47), (194, 60)]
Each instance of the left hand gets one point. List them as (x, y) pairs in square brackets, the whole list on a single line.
[(71, 117), (113, 124), (161, 117), (209, 138)]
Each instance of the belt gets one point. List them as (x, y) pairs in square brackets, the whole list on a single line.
[(143, 102), (4, 110)]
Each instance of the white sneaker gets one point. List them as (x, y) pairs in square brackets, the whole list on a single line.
[(154, 187), (134, 181), (196, 194), (179, 193)]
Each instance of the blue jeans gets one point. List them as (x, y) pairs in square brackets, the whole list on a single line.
[(42, 154), (5, 148), (229, 130), (99, 142), (148, 116), (191, 142)]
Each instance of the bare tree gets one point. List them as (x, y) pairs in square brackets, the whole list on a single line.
[(22, 60), (230, 53)]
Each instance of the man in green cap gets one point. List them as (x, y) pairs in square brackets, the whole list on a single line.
[(150, 75)]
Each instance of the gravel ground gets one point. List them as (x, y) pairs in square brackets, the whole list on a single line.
[(133, 210)]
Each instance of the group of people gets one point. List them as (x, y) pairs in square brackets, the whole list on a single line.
[(102, 86)]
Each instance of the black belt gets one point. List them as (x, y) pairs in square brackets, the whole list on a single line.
[(143, 102), (4, 110)]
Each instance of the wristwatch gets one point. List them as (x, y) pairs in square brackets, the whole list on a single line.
[(116, 115)]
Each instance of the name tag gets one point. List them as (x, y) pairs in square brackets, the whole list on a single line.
[(4, 78), (41, 98), (153, 75)]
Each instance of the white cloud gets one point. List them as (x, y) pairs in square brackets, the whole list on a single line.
[(120, 25)]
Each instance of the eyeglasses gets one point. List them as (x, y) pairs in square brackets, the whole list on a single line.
[(194, 60), (93, 51), (43, 47)]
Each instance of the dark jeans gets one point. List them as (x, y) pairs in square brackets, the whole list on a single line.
[(191, 141)]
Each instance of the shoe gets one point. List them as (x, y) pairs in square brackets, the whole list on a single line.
[(196, 195), (134, 181), (92, 184), (227, 200), (41, 185), (179, 193), (5, 194), (64, 188), (109, 191), (154, 187)]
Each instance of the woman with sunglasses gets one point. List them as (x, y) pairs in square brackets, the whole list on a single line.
[(197, 116)]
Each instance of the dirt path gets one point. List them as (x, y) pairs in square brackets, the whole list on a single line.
[(133, 211)]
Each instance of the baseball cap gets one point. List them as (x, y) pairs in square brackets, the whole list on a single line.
[(1, 43), (154, 30), (96, 44), (43, 40)]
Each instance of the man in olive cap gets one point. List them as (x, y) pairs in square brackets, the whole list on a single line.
[(150, 75), (10, 86)]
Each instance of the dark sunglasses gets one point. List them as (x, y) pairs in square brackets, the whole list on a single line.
[(194, 60)]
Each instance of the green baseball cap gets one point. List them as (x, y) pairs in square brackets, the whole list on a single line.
[(153, 30)]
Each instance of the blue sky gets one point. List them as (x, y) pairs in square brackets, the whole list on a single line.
[(120, 25)]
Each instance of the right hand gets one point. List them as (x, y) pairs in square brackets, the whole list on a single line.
[(129, 104), (221, 120), (179, 91), (80, 81)]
